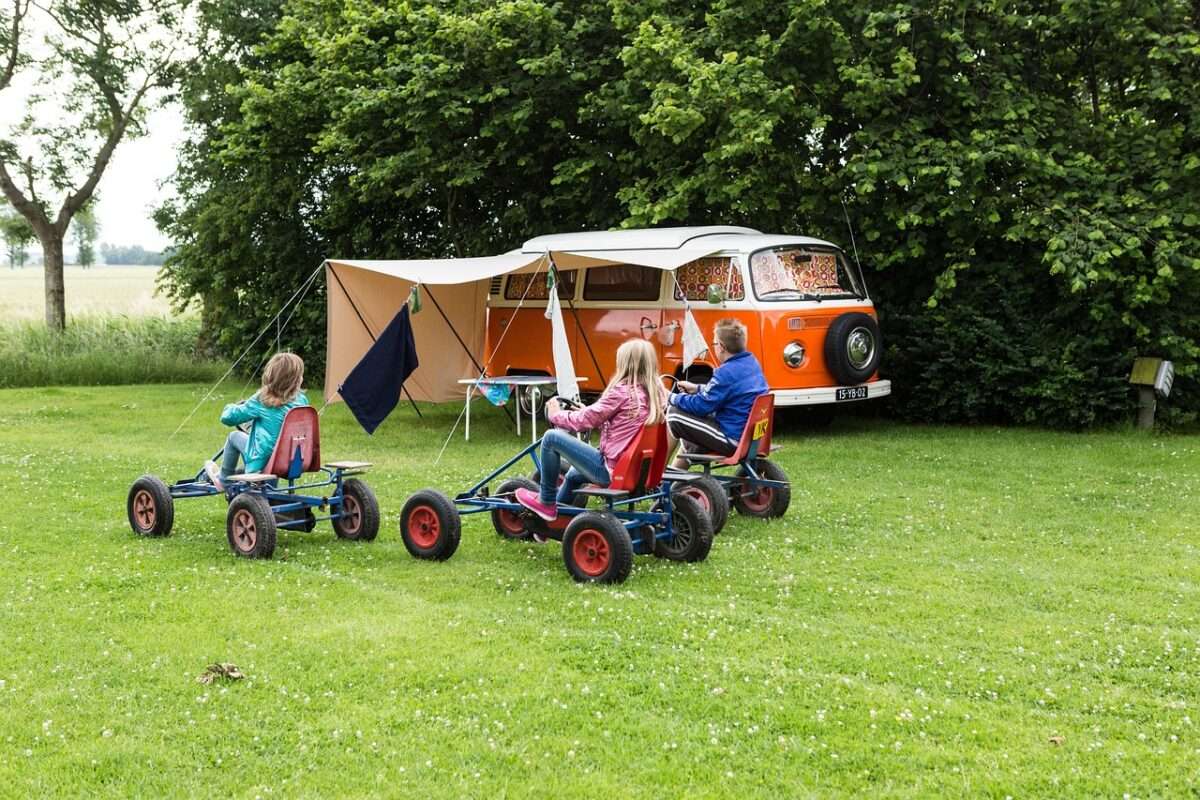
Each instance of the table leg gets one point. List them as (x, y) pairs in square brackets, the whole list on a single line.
[(470, 391), (517, 394), (532, 418)]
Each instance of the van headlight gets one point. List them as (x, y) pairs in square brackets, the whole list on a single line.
[(793, 354)]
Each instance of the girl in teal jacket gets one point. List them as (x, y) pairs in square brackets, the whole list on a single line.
[(265, 410)]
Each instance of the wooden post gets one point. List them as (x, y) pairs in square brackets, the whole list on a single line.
[(1147, 403)]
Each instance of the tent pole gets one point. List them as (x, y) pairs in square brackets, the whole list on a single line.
[(367, 328), (579, 327), (466, 349)]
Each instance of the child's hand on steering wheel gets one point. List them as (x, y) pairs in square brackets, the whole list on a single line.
[(687, 386)]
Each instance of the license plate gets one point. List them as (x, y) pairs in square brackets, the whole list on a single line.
[(851, 393)]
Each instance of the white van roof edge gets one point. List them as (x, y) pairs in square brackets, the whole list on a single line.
[(717, 237)]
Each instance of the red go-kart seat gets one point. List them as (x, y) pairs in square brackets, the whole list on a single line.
[(640, 467), (756, 436), (298, 449)]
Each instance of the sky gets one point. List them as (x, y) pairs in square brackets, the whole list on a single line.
[(135, 180)]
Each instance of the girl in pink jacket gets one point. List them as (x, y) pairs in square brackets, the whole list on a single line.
[(632, 400)]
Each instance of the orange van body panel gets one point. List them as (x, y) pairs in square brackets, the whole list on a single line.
[(526, 342)]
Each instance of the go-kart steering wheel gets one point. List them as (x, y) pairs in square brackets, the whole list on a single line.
[(565, 403), (674, 387)]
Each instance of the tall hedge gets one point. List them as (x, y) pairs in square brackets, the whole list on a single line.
[(1021, 177)]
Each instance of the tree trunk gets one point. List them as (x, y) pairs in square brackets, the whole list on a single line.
[(52, 267)]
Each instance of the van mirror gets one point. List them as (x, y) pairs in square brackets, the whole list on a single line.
[(716, 294)]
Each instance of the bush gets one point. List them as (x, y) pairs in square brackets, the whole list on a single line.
[(98, 350)]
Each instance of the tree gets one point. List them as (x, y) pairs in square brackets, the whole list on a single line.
[(86, 229), (1021, 176), (17, 234), (102, 59)]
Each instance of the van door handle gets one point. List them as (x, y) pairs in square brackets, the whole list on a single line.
[(647, 325)]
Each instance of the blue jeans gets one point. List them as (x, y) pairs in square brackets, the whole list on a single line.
[(236, 445), (587, 466)]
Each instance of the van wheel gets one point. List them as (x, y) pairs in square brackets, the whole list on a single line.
[(853, 347)]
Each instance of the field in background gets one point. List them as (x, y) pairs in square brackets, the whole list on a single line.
[(98, 290), (944, 611)]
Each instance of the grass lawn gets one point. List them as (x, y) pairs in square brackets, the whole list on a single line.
[(98, 290), (943, 611)]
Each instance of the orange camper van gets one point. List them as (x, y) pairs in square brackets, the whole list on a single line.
[(811, 323)]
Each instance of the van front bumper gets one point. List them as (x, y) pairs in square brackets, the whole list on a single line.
[(827, 394)]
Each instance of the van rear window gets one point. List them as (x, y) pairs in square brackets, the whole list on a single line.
[(694, 278), (518, 286), (623, 282)]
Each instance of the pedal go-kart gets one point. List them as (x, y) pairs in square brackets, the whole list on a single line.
[(598, 545), (759, 487), (258, 505)]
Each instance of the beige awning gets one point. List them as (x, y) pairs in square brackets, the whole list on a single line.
[(364, 296)]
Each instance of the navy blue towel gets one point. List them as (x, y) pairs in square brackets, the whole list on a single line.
[(372, 388)]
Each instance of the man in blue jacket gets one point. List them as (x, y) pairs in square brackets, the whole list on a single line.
[(709, 418)]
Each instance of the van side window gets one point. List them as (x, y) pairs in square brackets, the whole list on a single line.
[(694, 278), (518, 286), (623, 282)]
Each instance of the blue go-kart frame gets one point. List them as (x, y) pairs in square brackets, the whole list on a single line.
[(598, 543), (259, 506)]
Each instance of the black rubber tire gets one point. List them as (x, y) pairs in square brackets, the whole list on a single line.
[(430, 525), (250, 526), (837, 359), (618, 560), (578, 500), (691, 531), (768, 503), (363, 500), (505, 522), (710, 493), (155, 512)]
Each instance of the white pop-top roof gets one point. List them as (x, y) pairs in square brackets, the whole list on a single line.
[(708, 237)]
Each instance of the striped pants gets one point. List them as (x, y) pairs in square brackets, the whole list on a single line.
[(699, 434)]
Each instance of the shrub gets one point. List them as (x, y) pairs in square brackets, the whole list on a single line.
[(104, 350)]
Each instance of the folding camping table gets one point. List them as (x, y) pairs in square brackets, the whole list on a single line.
[(519, 383)]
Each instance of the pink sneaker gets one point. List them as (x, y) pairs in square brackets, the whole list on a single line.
[(214, 474), (533, 501)]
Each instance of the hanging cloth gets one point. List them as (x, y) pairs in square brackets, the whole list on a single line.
[(372, 388), (564, 367)]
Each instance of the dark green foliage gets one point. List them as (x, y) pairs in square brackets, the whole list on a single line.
[(1021, 177)]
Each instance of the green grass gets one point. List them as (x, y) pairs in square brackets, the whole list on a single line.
[(103, 350), (937, 605)]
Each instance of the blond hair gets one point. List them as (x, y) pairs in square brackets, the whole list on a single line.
[(281, 379), (731, 333), (637, 365)]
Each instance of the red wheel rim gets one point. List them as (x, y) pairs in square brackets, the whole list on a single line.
[(511, 522), (590, 552), (245, 533), (424, 527), (757, 499), (351, 518), (144, 510), (699, 496)]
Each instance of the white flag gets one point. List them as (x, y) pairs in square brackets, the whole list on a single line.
[(694, 344), (564, 367)]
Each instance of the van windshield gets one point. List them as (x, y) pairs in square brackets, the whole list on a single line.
[(800, 273)]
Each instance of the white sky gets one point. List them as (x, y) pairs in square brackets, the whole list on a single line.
[(132, 184)]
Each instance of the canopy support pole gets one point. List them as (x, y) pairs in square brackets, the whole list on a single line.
[(367, 328), (467, 350)]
